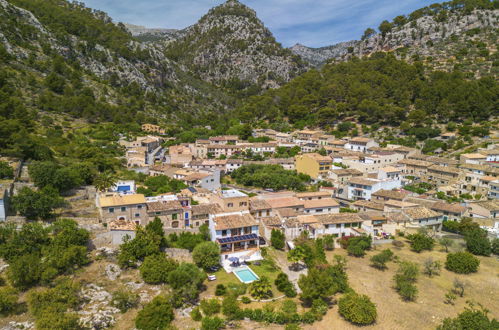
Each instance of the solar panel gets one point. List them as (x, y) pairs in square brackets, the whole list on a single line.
[(236, 239)]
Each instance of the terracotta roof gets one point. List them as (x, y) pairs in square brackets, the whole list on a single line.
[(318, 203), (346, 171), (196, 176), (120, 200), (258, 204), (164, 206), (360, 140), (277, 203), (422, 212), (414, 162), (390, 169), (234, 221), (446, 207), (370, 205), (287, 213), (489, 205), (399, 204), (307, 219), (390, 194), (445, 169), (313, 194), (271, 221), (474, 156), (490, 152), (362, 181), (317, 157), (338, 218), (206, 209)]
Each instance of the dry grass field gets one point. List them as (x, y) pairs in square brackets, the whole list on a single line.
[(429, 309)]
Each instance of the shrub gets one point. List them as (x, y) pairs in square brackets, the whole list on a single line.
[(462, 263), (288, 306), (431, 267), (210, 306), (212, 323), (156, 268), (379, 260), (420, 242), (397, 244), (196, 314), (319, 307), (220, 290), (124, 300), (157, 314), (245, 300), (206, 255), (230, 307), (495, 246), (285, 286), (328, 242), (8, 300), (357, 309), (477, 242)]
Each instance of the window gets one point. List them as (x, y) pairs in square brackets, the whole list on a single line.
[(230, 204), (139, 207), (174, 216), (157, 213), (224, 232), (111, 210), (137, 215), (347, 225), (123, 209), (338, 225)]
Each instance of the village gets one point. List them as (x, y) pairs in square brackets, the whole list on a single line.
[(348, 189)]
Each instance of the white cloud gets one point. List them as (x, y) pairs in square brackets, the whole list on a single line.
[(311, 22)]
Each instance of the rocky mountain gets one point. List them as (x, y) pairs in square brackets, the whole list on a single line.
[(56, 48), (445, 40), (319, 56), (145, 34), (230, 47)]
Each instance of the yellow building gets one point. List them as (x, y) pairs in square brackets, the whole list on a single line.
[(315, 165)]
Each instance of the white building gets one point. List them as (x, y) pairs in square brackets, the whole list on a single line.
[(362, 188)]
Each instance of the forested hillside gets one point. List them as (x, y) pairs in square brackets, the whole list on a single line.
[(379, 89)]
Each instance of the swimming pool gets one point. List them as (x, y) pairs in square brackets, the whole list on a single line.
[(246, 275)]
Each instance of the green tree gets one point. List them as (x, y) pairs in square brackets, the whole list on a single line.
[(420, 242), (369, 32), (472, 318), (357, 309), (277, 239), (37, 204), (206, 255), (462, 263), (405, 280), (431, 267), (385, 27), (156, 268), (446, 243), (379, 260), (25, 271), (296, 255), (158, 314), (210, 306), (322, 282), (6, 171), (477, 242), (261, 289)]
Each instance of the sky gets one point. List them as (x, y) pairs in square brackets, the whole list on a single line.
[(314, 23)]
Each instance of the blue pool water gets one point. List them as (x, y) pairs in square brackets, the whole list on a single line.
[(246, 275)]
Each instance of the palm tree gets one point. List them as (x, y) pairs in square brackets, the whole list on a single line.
[(104, 181)]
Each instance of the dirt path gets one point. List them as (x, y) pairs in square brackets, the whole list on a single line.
[(280, 258)]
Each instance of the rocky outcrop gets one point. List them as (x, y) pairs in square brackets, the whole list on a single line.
[(319, 56), (97, 312), (425, 38)]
